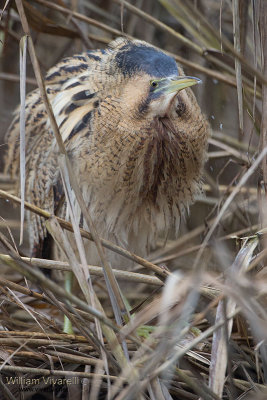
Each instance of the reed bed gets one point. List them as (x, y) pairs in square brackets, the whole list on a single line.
[(191, 318)]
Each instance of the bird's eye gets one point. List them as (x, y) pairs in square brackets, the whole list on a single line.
[(154, 84)]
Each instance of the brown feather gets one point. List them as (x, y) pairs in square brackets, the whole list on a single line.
[(138, 172)]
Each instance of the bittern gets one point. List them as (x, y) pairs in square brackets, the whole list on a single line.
[(136, 138)]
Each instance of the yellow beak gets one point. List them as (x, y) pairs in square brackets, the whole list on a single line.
[(171, 85)]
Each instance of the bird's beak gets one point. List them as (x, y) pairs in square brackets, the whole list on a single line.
[(178, 83)]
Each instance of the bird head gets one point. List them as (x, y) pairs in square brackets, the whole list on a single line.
[(162, 95), (151, 79)]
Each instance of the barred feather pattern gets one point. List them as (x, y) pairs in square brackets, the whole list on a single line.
[(138, 173)]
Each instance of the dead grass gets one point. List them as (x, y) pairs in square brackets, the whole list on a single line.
[(198, 329)]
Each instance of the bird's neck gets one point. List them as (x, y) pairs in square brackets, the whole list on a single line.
[(145, 177)]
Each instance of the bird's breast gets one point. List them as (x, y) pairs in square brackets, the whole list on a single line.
[(139, 176)]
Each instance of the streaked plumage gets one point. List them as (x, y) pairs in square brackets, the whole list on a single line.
[(138, 155)]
